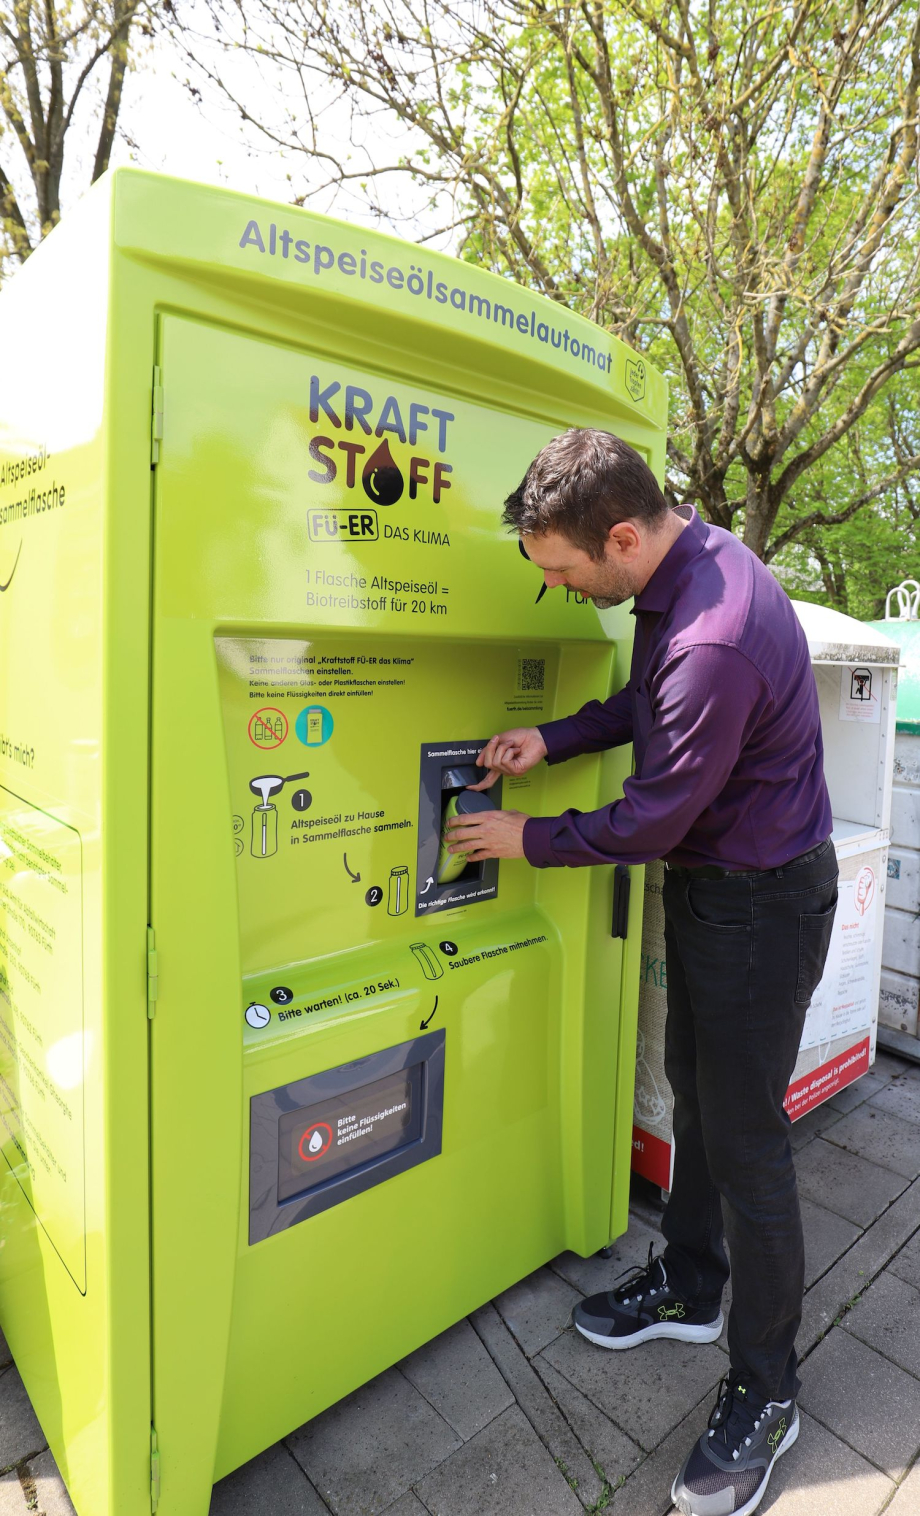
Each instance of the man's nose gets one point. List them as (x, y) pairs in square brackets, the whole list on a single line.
[(552, 580)]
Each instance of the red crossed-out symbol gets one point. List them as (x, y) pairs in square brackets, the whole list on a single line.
[(268, 727), (308, 1148)]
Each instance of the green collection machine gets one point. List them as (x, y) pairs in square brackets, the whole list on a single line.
[(284, 1093)]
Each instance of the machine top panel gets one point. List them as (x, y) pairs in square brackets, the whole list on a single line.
[(303, 260)]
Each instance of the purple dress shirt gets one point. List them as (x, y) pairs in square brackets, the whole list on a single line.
[(722, 711)]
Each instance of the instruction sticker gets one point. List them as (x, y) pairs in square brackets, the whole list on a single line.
[(43, 1045), (860, 687), (842, 1004)]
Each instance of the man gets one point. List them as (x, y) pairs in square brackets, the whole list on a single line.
[(722, 711)]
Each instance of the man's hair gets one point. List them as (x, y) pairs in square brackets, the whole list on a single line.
[(580, 485)]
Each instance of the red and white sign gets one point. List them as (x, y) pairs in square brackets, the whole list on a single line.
[(823, 1082), (652, 1157)]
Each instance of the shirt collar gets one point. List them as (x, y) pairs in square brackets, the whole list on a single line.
[(659, 592)]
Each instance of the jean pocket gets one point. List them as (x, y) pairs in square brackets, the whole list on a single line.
[(814, 941), (720, 904)]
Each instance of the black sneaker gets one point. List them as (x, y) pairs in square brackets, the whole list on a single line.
[(729, 1469), (642, 1307)]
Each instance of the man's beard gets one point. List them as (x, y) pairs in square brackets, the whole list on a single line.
[(616, 592)]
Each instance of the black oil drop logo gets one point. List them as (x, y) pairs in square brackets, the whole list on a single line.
[(382, 480), (544, 586)]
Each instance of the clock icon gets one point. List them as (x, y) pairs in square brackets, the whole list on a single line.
[(258, 1015)]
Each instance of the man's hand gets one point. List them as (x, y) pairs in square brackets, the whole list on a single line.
[(488, 834), (513, 752)]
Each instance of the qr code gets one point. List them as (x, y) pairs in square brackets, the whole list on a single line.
[(531, 673)]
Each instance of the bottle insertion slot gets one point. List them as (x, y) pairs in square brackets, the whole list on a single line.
[(445, 879)]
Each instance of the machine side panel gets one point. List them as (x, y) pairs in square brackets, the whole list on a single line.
[(62, 1215)]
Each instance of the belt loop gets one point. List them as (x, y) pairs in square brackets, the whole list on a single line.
[(779, 873)]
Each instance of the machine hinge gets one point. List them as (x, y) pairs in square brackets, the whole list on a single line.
[(153, 972), (154, 1470), (156, 419)]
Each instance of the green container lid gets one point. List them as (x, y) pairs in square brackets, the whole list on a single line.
[(907, 635)]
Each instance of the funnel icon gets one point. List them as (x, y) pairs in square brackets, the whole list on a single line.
[(264, 842)]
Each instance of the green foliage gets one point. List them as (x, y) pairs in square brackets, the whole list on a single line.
[(55, 57), (731, 188)]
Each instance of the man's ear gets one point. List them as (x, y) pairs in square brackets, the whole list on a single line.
[(624, 540)]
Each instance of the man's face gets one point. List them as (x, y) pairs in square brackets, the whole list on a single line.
[(607, 581)]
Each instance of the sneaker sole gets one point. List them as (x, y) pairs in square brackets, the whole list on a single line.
[(790, 1438), (709, 1332)]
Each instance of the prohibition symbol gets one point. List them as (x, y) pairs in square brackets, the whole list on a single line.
[(268, 728), (315, 1141)]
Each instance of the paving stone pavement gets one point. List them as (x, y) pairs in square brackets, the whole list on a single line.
[(511, 1413)]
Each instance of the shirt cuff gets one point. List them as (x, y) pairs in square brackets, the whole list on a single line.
[(538, 842), (559, 738)]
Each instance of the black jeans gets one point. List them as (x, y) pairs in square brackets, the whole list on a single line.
[(744, 955)]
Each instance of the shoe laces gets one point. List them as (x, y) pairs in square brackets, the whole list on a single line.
[(734, 1418), (637, 1282)]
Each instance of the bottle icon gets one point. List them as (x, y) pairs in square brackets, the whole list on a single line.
[(314, 725), (430, 965), (264, 831), (264, 842), (398, 899)]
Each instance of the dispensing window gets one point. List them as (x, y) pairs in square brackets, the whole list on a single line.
[(445, 879), (318, 1142), (321, 1140)]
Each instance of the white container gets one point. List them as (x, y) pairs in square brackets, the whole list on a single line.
[(898, 1027), (856, 675)]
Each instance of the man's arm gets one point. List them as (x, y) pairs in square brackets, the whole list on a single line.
[(592, 729), (707, 700), (597, 726)]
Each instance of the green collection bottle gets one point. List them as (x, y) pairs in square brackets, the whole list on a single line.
[(467, 803)]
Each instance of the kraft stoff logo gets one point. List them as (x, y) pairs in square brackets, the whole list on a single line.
[(4, 587), (35, 500), (370, 464)]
